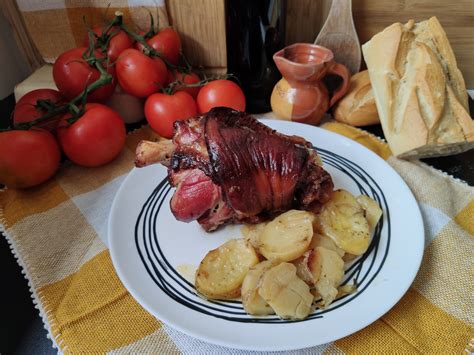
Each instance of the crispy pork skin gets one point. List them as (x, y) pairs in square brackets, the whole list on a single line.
[(257, 170), (228, 167)]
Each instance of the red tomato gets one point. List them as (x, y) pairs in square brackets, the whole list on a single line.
[(94, 139), (27, 108), (220, 93), (162, 110), (72, 74), (187, 78), (140, 75), (119, 41), (166, 42), (27, 158), (138, 45), (170, 77)]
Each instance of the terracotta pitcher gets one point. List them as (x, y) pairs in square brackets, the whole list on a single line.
[(301, 95)]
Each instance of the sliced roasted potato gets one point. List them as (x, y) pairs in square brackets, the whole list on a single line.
[(287, 237), (252, 233), (253, 303), (349, 257), (373, 212), (286, 293), (347, 289), (327, 268), (302, 268), (222, 270), (343, 220), (321, 240)]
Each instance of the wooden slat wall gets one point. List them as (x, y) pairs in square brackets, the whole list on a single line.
[(23, 40), (201, 25), (305, 19), (204, 38)]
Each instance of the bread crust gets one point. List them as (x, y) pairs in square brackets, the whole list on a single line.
[(357, 107), (419, 91)]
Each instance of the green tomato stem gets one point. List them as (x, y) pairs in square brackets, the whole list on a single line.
[(46, 105), (177, 82), (149, 50), (76, 105), (104, 79), (151, 32)]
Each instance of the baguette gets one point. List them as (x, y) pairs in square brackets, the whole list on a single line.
[(419, 91), (357, 107)]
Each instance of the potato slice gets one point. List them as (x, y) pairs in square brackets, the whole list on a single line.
[(302, 268), (318, 264), (373, 212), (347, 289), (253, 303), (349, 257), (222, 270), (252, 232), (321, 240), (327, 268), (286, 293), (288, 236), (343, 220)]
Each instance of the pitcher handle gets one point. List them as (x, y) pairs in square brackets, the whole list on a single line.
[(343, 72)]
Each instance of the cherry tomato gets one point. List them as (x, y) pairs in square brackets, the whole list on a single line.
[(72, 74), (140, 75), (94, 139), (29, 109), (187, 78), (27, 158), (119, 41), (162, 110), (166, 42), (220, 93)]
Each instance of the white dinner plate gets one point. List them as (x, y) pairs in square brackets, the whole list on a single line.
[(154, 254)]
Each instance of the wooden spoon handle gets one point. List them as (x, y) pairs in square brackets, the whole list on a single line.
[(339, 35), (339, 17)]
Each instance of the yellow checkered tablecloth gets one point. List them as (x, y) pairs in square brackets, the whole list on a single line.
[(56, 231)]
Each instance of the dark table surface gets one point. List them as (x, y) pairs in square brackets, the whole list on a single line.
[(21, 329)]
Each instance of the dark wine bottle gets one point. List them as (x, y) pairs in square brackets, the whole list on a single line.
[(255, 30)]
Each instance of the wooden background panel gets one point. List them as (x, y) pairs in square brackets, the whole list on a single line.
[(305, 18), (457, 19), (201, 25)]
